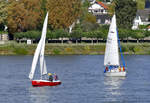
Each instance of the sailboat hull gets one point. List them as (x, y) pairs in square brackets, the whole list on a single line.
[(116, 74), (45, 83)]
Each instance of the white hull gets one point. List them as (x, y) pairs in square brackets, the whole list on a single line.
[(115, 74)]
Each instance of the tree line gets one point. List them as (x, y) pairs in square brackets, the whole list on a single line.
[(25, 15), (78, 34), (24, 19)]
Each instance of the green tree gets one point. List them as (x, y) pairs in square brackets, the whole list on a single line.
[(140, 4), (111, 9), (125, 12), (91, 35), (122, 33), (86, 16), (50, 35), (104, 31), (98, 34), (60, 33), (146, 33), (138, 34), (76, 34), (88, 20), (88, 26), (34, 35)]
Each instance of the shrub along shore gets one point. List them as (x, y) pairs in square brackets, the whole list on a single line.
[(72, 49)]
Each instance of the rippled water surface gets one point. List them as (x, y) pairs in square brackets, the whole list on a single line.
[(82, 80)]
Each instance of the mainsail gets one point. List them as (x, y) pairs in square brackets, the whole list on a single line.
[(40, 51), (111, 51)]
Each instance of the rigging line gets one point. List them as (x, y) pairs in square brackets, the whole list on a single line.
[(122, 58)]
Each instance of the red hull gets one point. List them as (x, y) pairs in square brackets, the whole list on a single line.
[(45, 83)]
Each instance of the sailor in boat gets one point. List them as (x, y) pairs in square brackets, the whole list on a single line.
[(112, 68), (122, 69), (50, 77), (55, 77), (106, 69)]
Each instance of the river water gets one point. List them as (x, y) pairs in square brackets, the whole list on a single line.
[(82, 79)]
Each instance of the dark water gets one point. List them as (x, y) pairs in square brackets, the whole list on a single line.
[(82, 80)]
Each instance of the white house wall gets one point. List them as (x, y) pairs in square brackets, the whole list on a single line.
[(96, 8)]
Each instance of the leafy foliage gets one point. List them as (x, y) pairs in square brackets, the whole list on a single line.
[(28, 35), (23, 15), (60, 33), (140, 4), (125, 12), (146, 33), (62, 13), (3, 13), (76, 34), (88, 26), (138, 34)]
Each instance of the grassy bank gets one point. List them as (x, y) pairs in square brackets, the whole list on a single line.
[(65, 49)]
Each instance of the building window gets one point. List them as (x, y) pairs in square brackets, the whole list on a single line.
[(95, 11), (137, 17)]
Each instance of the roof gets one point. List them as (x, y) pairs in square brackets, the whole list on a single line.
[(148, 27), (102, 4), (144, 14)]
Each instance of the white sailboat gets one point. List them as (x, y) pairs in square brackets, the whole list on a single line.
[(39, 55), (111, 59)]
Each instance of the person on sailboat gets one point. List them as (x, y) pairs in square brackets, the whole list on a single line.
[(119, 69), (50, 77), (55, 76)]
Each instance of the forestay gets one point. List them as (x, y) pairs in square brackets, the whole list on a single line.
[(111, 51), (40, 51)]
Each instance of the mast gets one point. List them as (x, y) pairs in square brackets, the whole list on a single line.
[(42, 60)]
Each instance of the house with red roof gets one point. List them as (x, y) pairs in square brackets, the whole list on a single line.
[(100, 10)]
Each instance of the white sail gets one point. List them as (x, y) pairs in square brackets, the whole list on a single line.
[(111, 51), (39, 48), (42, 60), (44, 68)]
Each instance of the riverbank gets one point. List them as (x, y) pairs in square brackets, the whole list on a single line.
[(72, 49)]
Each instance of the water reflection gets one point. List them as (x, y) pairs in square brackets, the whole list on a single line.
[(39, 94), (113, 87)]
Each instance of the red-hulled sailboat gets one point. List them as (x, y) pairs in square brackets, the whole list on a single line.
[(45, 83), (39, 54)]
